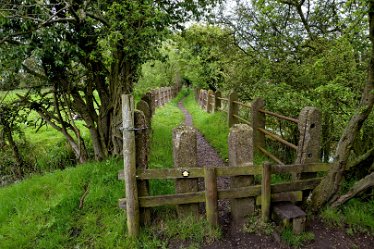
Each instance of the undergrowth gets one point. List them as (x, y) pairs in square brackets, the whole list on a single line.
[(356, 216)]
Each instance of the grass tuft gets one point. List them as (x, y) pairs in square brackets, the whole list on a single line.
[(296, 240)]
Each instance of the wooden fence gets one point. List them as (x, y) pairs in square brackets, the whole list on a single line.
[(309, 124), (244, 193)]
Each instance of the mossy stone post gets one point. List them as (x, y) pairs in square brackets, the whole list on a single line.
[(309, 146), (142, 147), (258, 121), (185, 157), (241, 153), (217, 101), (210, 103), (233, 109)]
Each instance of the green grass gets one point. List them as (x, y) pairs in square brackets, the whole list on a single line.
[(296, 240), (356, 216), (213, 126)]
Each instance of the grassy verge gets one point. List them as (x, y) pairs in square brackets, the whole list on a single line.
[(50, 211), (213, 126), (356, 216)]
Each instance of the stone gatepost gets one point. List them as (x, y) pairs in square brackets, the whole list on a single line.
[(241, 153), (185, 156)]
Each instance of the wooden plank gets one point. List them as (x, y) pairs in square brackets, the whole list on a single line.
[(132, 205), (174, 173), (239, 192), (295, 185), (287, 210), (266, 192), (242, 120), (177, 173), (279, 116), (165, 200), (298, 168), (270, 155), (278, 138), (211, 196), (242, 104), (294, 196), (196, 197)]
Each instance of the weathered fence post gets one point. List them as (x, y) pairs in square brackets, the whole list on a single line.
[(233, 109), (132, 202), (258, 121), (201, 98), (210, 99), (148, 99), (217, 101), (211, 196), (185, 156), (241, 153), (310, 128), (266, 192), (142, 147), (144, 107), (197, 94)]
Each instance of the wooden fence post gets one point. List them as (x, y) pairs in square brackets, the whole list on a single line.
[(211, 196), (142, 148), (201, 98), (266, 192), (258, 121), (240, 153), (308, 149), (156, 98), (210, 99), (197, 94), (233, 109), (148, 99), (217, 101), (185, 156), (132, 201)]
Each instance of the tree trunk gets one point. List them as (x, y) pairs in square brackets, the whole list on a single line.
[(16, 154), (357, 188), (330, 185)]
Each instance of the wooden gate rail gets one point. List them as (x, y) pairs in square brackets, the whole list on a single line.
[(243, 170), (277, 138), (265, 193)]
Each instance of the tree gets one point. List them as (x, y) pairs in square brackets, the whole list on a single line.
[(330, 185), (88, 53)]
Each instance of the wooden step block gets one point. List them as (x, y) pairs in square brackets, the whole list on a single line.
[(287, 213)]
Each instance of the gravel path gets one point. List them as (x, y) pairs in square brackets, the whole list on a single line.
[(207, 156)]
